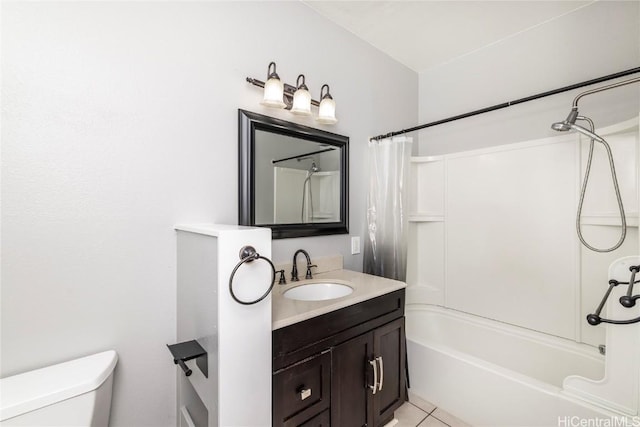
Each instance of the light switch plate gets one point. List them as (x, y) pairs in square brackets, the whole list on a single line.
[(355, 245)]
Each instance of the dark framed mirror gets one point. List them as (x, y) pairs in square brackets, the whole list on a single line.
[(293, 179)]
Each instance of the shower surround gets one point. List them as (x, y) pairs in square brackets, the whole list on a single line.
[(493, 243)]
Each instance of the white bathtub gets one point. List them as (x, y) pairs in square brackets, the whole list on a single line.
[(492, 374)]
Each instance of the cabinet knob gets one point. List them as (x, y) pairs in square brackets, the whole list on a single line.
[(304, 393)]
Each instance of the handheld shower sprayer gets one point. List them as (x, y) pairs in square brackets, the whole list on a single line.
[(570, 124), (587, 132)]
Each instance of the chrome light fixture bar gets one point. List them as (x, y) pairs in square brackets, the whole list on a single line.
[(297, 98)]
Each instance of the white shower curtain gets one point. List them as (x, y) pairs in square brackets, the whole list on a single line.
[(385, 248)]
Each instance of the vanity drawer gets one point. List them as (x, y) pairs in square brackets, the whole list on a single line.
[(301, 391)]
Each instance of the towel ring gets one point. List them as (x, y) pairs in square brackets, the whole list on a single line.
[(249, 254)]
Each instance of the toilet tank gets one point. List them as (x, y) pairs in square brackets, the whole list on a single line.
[(74, 393)]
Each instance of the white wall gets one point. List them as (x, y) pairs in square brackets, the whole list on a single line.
[(599, 39), (119, 121)]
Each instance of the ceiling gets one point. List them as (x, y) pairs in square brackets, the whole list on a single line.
[(423, 34)]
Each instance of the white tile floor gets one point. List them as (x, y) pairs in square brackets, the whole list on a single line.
[(420, 413)]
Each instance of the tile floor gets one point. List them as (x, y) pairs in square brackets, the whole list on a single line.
[(420, 413)]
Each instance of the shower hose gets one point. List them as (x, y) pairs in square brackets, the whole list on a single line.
[(623, 232)]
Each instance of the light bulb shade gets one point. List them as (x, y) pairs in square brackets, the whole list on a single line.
[(327, 111), (301, 102), (273, 93)]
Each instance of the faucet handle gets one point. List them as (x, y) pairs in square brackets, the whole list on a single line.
[(282, 280), (308, 275)]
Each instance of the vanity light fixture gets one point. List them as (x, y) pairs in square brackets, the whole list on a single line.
[(273, 89), (301, 98), (327, 108), (295, 98)]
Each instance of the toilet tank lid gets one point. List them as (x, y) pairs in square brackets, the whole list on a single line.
[(33, 390)]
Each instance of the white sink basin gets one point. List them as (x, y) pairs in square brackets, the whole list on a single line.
[(318, 291)]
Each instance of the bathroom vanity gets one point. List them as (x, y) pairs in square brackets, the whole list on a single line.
[(341, 361)]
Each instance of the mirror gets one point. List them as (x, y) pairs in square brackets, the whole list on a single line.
[(292, 178)]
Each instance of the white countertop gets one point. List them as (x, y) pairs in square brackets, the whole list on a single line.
[(285, 311), (214, 230)]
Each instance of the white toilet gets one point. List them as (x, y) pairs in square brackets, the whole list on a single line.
[(74, 393)]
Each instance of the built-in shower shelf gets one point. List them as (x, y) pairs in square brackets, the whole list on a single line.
[(426, 159), (605, 219), (610, 219), (425, 217)]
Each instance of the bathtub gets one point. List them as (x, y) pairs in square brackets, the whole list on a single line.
[(492, 374)]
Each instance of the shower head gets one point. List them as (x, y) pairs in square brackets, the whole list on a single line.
[(567, 123), (570, 124), (314, 168), (561, 126)]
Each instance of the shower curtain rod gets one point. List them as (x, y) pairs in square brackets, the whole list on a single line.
[(510, 103), (302, 155)]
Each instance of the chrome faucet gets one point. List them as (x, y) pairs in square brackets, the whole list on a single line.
[(294, 270)]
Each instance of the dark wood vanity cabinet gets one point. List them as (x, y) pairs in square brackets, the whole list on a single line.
[(345, 368)]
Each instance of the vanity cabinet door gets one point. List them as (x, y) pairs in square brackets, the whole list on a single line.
[(389, 350), (351, 404), (353, 401)]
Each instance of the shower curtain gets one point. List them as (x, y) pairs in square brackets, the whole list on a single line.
[(385, 248)]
